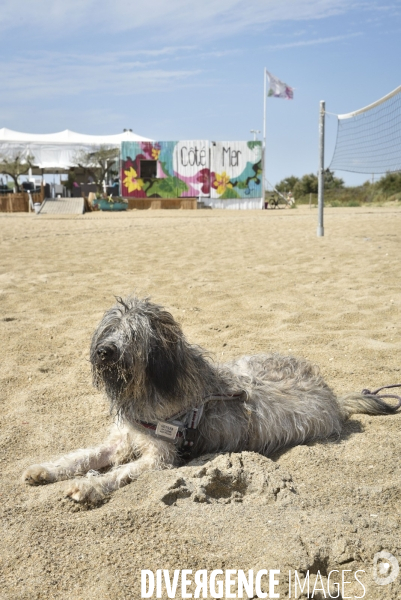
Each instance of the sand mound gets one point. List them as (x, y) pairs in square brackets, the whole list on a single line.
[(241, 477)]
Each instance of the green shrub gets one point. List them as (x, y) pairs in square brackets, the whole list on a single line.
[(304, 189)]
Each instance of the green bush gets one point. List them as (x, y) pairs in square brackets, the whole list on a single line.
[(304, 189), (389, 184)]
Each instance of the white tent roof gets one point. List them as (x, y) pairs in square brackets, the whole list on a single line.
[(58, 150)]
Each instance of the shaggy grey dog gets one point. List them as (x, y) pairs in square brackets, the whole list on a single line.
[(171, 403)]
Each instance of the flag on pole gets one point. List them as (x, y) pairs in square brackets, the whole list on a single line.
[(278, 89)]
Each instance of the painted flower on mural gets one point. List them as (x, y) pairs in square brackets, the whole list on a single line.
[(131, 180), (204, 177), (151, 150), (222, 182), (146, 148)]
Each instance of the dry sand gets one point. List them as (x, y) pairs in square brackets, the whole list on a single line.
[(238, 282)]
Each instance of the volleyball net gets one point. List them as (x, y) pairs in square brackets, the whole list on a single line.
[(369, 139)]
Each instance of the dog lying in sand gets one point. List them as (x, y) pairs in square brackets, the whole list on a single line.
[(172, 403)]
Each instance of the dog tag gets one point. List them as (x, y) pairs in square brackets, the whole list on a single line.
[(166, 430)]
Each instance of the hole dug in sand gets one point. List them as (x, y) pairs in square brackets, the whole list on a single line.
[(227, 478)]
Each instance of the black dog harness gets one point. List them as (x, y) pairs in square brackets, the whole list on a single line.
[(182, 429)]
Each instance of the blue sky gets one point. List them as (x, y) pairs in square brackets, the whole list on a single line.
[(185, 69)]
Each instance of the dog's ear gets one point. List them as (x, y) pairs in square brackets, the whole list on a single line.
[(166, 359)]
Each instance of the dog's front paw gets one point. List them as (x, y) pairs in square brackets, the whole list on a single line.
[(82, 490), (38, 475)]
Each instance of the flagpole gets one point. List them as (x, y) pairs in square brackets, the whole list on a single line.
[(320, 227), (264, 139)]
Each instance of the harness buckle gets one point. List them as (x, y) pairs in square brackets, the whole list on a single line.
[(191, 434)]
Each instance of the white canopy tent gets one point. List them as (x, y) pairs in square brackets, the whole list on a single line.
[(56, 151)]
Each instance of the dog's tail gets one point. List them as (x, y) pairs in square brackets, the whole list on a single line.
[(369, 403)]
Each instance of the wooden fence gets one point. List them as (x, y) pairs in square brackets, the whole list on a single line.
[(18, 202)]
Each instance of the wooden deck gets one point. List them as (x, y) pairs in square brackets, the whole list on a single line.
[(162, 203)]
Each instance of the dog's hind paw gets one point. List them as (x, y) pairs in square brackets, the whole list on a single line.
[(38, 475), (82, 490)]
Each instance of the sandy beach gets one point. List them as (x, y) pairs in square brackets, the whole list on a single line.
[(239, 282)]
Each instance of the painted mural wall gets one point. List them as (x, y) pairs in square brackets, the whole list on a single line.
[(191, 168), (236, 170)]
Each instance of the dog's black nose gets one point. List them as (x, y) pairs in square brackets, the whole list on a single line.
[(107, 353)]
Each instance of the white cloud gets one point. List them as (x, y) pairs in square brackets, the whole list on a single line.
[(166, 51), (49, 75), (313, 42), (165, 19)]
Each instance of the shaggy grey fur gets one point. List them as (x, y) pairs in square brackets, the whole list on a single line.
[(150, 372)]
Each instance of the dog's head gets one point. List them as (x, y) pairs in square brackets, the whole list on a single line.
[(138, 351)]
